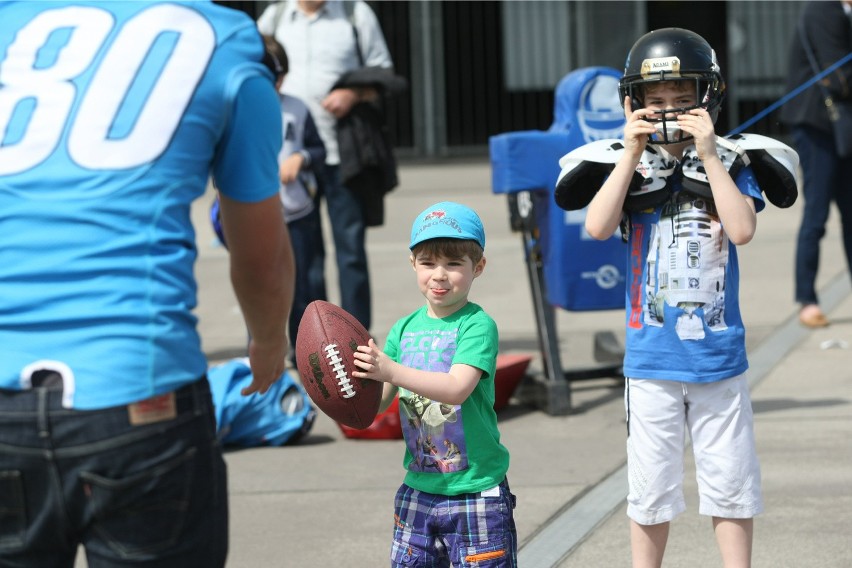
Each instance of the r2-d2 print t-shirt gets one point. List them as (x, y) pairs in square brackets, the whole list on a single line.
[(450, 449), (683, 315)]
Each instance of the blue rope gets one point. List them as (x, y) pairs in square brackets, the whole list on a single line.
[(795, 92)]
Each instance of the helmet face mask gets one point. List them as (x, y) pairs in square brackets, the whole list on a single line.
[(672, 55)]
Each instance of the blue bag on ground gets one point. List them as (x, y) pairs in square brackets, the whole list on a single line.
[(281, 416)]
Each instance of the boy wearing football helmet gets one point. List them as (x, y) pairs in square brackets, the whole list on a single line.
[(685, 351)]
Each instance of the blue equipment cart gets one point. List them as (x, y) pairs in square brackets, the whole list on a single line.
[(565, 266)]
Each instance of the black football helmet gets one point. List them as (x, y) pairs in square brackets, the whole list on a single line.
[(673, 54)]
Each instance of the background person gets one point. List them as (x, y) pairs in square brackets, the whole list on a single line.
[(826, 175), (321, 45), (115, 115)]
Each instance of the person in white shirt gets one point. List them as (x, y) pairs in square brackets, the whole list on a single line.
[(323, 43)]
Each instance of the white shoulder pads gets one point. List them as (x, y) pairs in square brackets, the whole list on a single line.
[(774, 165), (650, 185), (584, 169), (607, 151), (774, 147), (733, 157)]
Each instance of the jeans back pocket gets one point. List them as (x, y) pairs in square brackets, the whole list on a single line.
[(143, 513), (13, 511)]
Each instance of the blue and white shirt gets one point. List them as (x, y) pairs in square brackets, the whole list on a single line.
[(683, 313), (112, 116), (300, 136)]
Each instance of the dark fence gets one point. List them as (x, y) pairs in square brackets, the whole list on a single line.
[(474, 101)]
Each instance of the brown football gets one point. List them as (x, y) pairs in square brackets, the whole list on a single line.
[(327, 338)]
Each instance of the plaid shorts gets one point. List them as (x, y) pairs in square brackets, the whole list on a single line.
[(471, 529)]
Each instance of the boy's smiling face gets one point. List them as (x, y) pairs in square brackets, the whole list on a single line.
[(445, 282)]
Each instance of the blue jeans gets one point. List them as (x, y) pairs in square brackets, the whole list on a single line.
[(826, 179), (349, 232), (145, 495)]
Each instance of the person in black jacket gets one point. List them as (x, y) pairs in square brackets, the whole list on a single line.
[(826, 174)]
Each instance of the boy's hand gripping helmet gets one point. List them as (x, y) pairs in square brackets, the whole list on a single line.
[(673, 54)]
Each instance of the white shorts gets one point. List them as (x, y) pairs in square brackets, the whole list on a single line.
[(718, 417)]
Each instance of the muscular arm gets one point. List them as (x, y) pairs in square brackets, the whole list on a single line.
[(262, 274), (262, 266)]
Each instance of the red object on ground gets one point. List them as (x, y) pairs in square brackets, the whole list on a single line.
[(510, 370), (386, 426)]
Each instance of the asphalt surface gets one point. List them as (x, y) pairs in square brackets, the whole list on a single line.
[(328, 501)]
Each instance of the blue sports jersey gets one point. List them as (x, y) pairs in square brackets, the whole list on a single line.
[(112, 117), (683, 312)]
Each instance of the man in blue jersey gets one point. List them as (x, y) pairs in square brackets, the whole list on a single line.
[(113, 116)]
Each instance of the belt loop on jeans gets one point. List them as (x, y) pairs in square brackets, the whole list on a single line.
[(193, 397), (198, 395), (43, 407)]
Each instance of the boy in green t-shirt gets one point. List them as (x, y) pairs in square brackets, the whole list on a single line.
[(454, 505)]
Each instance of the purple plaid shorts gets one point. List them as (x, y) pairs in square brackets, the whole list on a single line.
[(467, 530)]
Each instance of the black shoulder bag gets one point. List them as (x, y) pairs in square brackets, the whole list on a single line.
[(367, 164), (839, 112)]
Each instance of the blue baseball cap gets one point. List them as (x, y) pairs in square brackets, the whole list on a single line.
[(447, 220)]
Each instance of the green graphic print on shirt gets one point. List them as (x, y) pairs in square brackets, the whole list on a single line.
[(450, 449)]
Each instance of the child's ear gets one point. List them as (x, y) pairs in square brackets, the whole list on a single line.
[(480, 266), (411, 260)]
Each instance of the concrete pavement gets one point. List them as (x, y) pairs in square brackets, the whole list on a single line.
[(328, 500)]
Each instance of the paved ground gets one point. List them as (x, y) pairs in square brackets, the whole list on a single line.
[(328, 500)]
